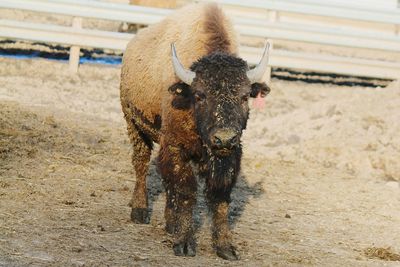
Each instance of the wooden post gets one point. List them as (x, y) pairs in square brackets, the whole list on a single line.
[(75, 50), (273, 15)]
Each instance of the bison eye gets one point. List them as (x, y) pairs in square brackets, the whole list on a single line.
[(199, 96)]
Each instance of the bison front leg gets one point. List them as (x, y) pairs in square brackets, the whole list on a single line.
[(181, 187), (222, 236)]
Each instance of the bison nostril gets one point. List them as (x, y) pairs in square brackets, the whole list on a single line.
[(233, 140), (217, 141)]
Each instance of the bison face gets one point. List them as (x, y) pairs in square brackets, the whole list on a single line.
[(220, 92), (217, 87)]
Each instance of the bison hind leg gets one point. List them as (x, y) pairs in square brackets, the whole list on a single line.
[(142, 146)]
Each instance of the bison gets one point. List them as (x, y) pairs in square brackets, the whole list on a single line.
[(184, 87)]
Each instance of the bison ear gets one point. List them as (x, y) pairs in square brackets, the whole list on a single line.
[(181, 89), (261, 89), (181, 95)]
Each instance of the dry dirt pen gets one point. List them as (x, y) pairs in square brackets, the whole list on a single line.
[(319, 186)]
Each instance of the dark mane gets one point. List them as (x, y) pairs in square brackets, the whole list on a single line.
[(214, 27)]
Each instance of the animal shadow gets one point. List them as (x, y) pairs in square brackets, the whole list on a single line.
[(240, 196)]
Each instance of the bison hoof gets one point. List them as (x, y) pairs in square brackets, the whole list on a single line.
[(185, 249), (140, 215), (228, 253)]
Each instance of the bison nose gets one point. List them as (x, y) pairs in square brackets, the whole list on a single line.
[(225, 139)]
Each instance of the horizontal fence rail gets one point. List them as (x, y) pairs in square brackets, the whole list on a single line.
[(318, 35), (64, 35), (91, 9), (326, 63), (262, 28), (319, 8)]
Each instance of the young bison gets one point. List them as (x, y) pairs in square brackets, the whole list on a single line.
[(196, 115)]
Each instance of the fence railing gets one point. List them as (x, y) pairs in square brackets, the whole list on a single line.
[(76, 36), (90, 9), (319, 8)]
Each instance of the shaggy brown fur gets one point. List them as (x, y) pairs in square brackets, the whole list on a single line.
[(151, 95), (218, 39)]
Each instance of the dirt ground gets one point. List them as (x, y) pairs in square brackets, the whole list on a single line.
[(319, 185)]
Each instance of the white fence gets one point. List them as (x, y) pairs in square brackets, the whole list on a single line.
[(256, 26)]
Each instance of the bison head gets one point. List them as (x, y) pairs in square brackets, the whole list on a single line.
[(217, 87)]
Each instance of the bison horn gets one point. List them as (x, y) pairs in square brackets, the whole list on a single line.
[(256, 74), (185, 75)]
